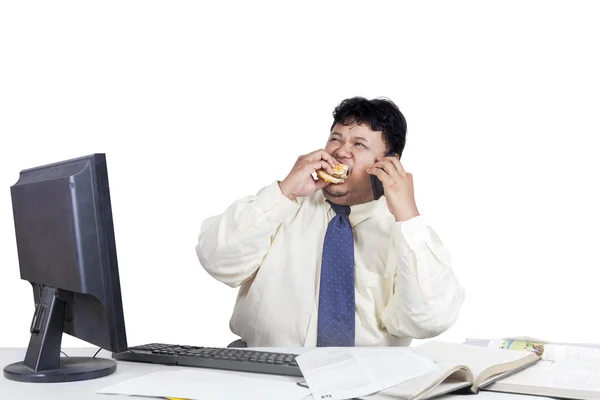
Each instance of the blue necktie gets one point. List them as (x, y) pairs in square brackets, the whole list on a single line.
[(336, 293)]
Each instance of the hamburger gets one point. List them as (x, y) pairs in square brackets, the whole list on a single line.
[(339, 175)]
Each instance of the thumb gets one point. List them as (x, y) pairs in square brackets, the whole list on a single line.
[(320, 184)]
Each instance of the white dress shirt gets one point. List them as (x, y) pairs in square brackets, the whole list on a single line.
[(270, 247)]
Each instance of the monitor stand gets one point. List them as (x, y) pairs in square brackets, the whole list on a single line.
[(43, 362)]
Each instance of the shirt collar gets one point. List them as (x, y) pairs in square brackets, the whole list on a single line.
[(358, 212)]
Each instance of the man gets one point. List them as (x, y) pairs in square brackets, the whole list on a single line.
[(321, 264)]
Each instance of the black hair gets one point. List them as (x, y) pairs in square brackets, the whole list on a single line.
[(379, 114)]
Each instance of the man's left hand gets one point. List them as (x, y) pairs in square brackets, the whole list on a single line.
[(398, 187)]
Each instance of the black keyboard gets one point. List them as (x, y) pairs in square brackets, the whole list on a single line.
[(263, 362)]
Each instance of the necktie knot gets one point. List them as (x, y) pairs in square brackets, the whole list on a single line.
[(340, 210)]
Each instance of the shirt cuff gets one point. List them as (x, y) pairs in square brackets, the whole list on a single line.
[(275, 205), (411, 234)]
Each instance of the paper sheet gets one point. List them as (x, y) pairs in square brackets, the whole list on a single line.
[(204, 384), (345, 372)]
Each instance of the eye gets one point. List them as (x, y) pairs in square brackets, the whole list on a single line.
[(334, 140), (361, 145)]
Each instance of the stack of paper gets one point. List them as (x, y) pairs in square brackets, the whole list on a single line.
[(206, 384), (330, 373), (349, 372)]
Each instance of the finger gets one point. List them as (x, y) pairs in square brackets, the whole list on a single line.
[(321, 164), (320, 183), (387, 166), (381, 174), (312, 156), (398, 165), (322, 155), (329, 158), (316, 155)]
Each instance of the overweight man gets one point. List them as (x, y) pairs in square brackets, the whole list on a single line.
[(325, 264)]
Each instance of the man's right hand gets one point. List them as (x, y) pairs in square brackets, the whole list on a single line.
[(300, 182)]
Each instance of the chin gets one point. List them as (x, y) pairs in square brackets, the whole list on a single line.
[(336, 190)]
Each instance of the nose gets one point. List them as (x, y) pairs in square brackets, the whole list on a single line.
[(342, 152)]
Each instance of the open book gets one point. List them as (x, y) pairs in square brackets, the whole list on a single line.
[(461, 367), (568, 371)]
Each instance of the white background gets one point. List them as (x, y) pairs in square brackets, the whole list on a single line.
[(197, 104)]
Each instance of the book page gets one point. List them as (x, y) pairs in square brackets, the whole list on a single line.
[(548, 351), (567, 374), (347, 372), (570, 379), (579, 375), (476, 358), (448, 378), (558, 352)]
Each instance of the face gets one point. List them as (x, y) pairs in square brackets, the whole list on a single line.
[(358, 147)]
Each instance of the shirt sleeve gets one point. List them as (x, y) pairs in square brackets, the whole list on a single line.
[(426, 296), (232, 245)]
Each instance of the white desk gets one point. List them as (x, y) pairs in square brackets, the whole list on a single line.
[(83, 390)]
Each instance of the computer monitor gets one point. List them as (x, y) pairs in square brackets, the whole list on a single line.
[(66, 250)]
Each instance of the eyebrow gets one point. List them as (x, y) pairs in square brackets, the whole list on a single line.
[(355, 137)]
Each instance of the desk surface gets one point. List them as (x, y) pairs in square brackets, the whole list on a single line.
[(84, 390)]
